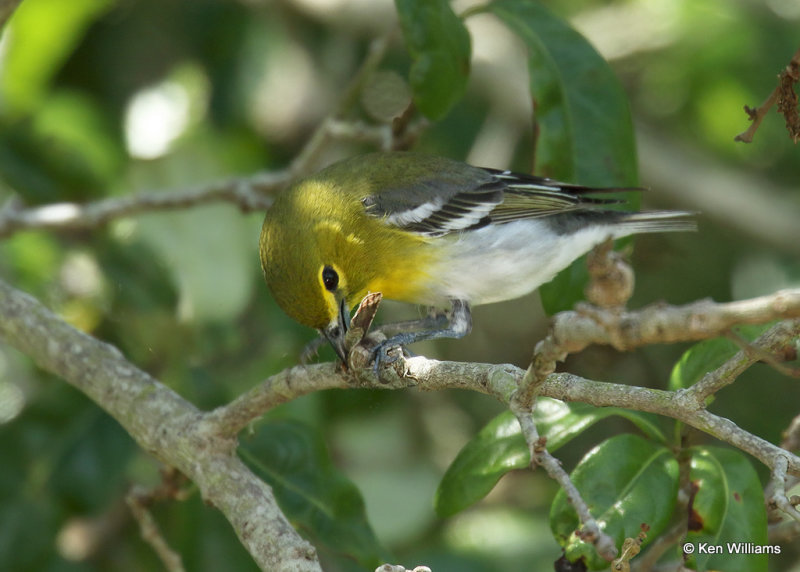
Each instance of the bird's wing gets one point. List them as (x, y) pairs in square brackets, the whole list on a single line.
[(440, 209), (529, 196), (433, 205)]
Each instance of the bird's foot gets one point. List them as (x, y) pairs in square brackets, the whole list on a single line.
[(386, 353)]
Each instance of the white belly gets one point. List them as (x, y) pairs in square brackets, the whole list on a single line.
[(503, 262)]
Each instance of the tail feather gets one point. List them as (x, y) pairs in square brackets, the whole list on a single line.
[(659, 221)]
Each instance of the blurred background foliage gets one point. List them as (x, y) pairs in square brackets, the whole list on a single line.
[(102, 98)]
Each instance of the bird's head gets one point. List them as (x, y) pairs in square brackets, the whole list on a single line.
[(312, 260)]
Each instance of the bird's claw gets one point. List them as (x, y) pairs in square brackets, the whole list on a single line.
[(381, 357)]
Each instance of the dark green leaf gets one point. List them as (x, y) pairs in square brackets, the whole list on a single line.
[(626, 481), (186, 522), (728, 508), (707, 356), (49, 165), (439, 46), (27, 529), (699, 360), (500, 448), (63, 447), (585, 132), (293, 460), (561, 293), (496, 450), (90, 470)]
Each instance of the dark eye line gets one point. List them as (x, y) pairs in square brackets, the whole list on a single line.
[(330, 278)]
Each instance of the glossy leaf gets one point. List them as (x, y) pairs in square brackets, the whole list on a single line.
[(626, 481), (727, 511), (500, 448), (585, 132), (313, 494), (707, 356), (439, 46)]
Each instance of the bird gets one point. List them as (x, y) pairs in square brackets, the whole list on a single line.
[(430, 231)]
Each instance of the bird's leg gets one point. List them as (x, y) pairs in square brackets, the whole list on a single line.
[(435, 320), (457, 324)]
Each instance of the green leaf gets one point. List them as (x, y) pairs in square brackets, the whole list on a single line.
[(316, 497), (567, 288), (41, 35), (63, 448), (89, 472), (700, 359), (439, 46), (27, 529), (585, 132), (728, 508), (500, 448), (202, 536), (626, 482), (67, 151), (708, 355)]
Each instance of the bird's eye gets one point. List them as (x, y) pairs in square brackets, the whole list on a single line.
[(330, 278)]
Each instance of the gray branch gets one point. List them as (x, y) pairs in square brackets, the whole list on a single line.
[(249, 193), (202, 445), (162, 423)]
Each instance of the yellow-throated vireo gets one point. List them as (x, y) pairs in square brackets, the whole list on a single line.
[(431, 231)]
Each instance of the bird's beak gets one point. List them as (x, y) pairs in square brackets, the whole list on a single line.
[(337, 330)]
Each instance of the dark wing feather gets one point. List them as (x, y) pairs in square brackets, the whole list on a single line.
[(438, 196), (529, 196), (446, 196)]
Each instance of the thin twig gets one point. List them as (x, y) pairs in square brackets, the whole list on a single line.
[(675, 404), (767, 355), (572, 331), (136, 500), (307, 157), (590, 530), (249, 192), (791, 436), (162, 423), (201, 445), (610, 288), (767, 344), (778, 499), (630, 549), (756, 116), (784, 96), (659, 546)]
